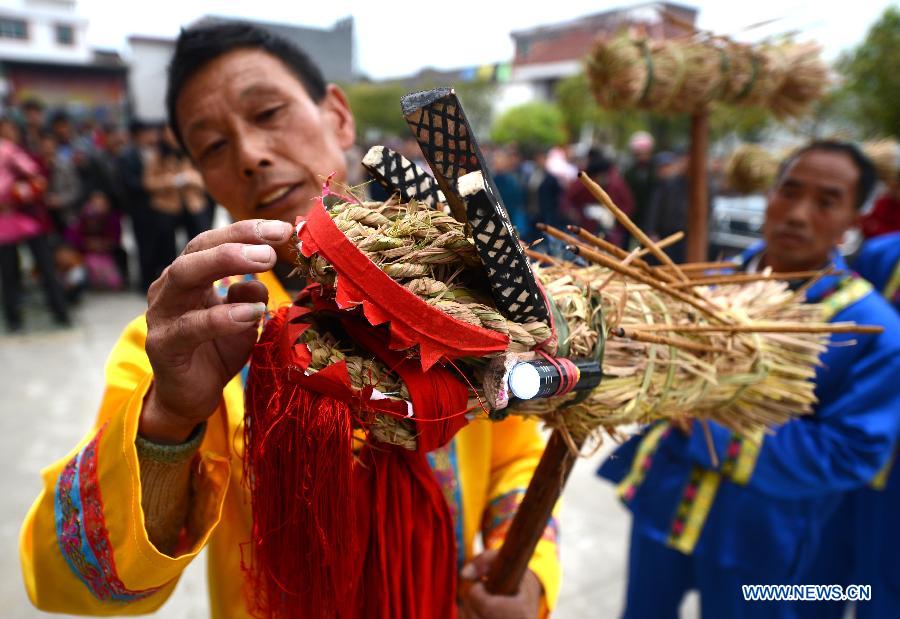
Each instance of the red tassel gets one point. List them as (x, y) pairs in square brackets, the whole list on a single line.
[(298, 464), (338, 538)]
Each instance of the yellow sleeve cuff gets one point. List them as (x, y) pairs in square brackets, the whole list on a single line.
[(85, 546)]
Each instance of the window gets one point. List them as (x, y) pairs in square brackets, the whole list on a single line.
[(13, 28), (65, 34)]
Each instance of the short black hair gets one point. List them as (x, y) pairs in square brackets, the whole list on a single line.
[(865, 184), (33, 103), (137, 125), (199, 45), (59, 116)]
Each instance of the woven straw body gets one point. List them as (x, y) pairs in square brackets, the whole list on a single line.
[(745, 381)]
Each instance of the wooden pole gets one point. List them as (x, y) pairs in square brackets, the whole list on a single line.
[(698, 196), (531, 518)]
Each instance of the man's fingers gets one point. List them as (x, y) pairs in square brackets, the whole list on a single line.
[(256, 231), (248, 292), (478, 567), (193, 328), (202, 268)]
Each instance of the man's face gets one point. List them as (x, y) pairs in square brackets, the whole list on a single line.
[(261, 143), (34, 117), (63, 130), (642, 153), (809, 209)]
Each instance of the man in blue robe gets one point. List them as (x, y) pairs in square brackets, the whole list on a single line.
[(879, 262), (757, 515), (864, 528)]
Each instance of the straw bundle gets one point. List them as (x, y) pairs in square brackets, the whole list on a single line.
[(666, 70), (686, 75), (734, 371), (703, 76), (805, 80), (742, 380), (885, 154), (750, 169), (617, 71), (771, 70)]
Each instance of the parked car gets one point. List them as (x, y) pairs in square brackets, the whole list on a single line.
[(736, 223)]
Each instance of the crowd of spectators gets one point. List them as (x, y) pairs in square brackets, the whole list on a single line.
[(543, 186), (67, 188)]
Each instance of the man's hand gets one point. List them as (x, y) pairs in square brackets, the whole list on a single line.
[(479, 604), (196, 341)]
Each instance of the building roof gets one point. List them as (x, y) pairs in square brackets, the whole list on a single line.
[(331, 49), (143, 38), (572, 40)]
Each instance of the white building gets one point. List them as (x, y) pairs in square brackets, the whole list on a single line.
[(43, 31), (148, 61), (44, 54)]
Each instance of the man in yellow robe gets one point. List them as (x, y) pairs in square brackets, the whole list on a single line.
[(159, 477)]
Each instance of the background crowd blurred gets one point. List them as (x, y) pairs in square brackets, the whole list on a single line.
[(91, 206), (67, 189)]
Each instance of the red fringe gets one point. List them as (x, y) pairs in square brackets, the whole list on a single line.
[(334, 537), (298, 464)]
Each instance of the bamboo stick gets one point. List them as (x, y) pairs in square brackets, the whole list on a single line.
[(597, 241), (671, 341), (710, 446), (698, 189), (542, 258), (700, 266), (740, 278), (781, 327), (665, 242), (598, 192), (618, 252), (809, 284), (559, 234), (609, 263)]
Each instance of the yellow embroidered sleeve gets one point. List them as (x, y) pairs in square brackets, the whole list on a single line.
[(83, 545)]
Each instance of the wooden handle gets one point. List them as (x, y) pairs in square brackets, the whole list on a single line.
[(531, 518), (698, 191)]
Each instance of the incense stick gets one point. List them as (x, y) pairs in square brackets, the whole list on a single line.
[(740, 278), (598, 192), (618, 252), (781, 327), (671, 341), (542, 258), (609, 263)]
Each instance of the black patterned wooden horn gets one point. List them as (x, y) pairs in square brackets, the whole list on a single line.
[(397, 174), (439, 125)]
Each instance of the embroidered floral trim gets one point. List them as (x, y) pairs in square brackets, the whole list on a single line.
[(445, 467), (696, 502), (642, 462), (848, 291), (741, 456), (892, 289), (499, 516), (879, 482), (81, 528)]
